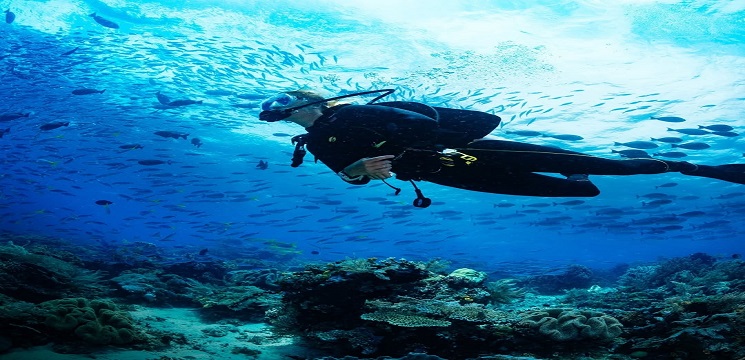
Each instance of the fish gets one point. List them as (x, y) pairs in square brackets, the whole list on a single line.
[(153, 162), (262, 165), (692, 146), (104, 22), (718, 127), (203, 252), (54, 125), (729, 195), (666, 185), (185, 102), (571, 203), (671, 154), (105, 204), (13, 116), (70, 52), (219, 92), (638, 144), (9, 16), (689, 131), (663, 229), (692, 213), (251, 96), (503, 205), (524, 133), (538, 205), (725, 133), (86, 91), (171, 134), (567, 137), (655, 196), (632, 153), (3, 132), (712, 224), (672, 119), (131, 146), (658, 202), (164, 100), (669, 140), (246, 105), (196, 142)]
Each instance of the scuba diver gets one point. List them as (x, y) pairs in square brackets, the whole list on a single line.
[(416, 142)]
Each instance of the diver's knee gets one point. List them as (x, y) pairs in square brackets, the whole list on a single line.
[(589, 189)]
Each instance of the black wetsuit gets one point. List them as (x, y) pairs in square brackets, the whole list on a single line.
[(416, 133)]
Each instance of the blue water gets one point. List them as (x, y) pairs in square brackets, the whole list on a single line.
[(593, 69)]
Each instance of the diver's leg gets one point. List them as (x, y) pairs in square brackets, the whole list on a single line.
[(526, 184), (734, 173), (520, 157)]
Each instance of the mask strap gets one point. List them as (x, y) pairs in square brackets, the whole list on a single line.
[(385, 91)]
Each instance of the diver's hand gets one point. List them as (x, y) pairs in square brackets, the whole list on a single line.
[(377, 168)]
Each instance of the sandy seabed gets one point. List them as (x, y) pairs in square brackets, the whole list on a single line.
[(203, 340)]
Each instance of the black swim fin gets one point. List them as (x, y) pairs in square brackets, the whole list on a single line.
[(734, 173)]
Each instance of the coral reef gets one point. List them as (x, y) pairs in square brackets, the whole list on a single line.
[(404, 320), (393, 307), (687, 307), (573, 325), (248, 303), (575, 276), (504, 291), (98, 322), (30, 273), (464, 277), (682, 308)]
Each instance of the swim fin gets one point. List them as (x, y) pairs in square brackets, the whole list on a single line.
[(734, 173)]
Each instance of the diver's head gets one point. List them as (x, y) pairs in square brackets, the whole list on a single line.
[(300, 106)]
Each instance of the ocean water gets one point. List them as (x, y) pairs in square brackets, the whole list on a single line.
[(580, 75), (591, 69)]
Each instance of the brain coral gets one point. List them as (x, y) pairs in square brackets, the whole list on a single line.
[(573, 325), (95, 321)]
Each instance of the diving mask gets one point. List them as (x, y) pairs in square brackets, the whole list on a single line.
[(275, 108), (277, 101)]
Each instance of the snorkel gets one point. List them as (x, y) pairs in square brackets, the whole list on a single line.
[(272, 113)]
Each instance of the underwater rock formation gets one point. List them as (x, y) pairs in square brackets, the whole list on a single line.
[(32, 274), (575, 276)]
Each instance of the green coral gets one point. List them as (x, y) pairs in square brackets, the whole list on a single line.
[(503, 291), (467, 277), (441, 310), (97, 322), (472, 313), (236, 298), (404, 320), (573, 325)]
